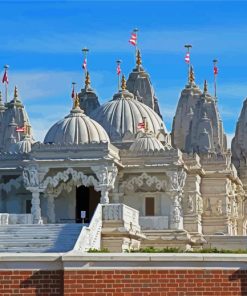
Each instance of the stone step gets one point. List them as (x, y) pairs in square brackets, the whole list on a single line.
[(39, 238)]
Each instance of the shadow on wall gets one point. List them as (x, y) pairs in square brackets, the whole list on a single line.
[(239, 276), (41, 283)]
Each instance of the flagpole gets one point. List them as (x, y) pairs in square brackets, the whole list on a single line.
[(118, 74), (188, 46), (215, 82), (6, 67), (136, 48), (85, 52), (73, 90)]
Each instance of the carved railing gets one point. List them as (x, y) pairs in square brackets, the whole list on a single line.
[(121, 212), (90, 237)]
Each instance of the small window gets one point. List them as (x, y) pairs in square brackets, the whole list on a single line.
[(149, 206), (28, 206)]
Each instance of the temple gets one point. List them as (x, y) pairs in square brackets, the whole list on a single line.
[(112, 176)]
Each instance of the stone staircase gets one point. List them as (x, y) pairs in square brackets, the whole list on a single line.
[(36, 238)]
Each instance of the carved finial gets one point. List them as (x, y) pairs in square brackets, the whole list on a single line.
[(192, 75), (15, 93), (123, 84), (138, 58), (87, 80), (205, 87), (76, 102)]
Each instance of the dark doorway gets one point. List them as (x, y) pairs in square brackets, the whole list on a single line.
[(87, 200)]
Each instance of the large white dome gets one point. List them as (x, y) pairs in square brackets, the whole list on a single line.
[(120, 117), (76, 128)]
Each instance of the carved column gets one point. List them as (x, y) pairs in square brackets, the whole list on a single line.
[(51, 208), (106, 177), (36, 210)]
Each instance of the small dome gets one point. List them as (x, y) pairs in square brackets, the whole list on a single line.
[(23, 146), (147, 143), (76, 128), (121, 116)]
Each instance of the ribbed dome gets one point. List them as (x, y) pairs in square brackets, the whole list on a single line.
[(120, 117), (146, 144), (76, 128), (23, 146)]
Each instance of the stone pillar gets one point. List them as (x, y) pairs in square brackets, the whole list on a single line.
[(176, 219), (36, 210), (51, 208), (106, 178), (104, 198)]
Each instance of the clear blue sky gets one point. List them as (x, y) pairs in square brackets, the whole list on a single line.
[(42, 42)]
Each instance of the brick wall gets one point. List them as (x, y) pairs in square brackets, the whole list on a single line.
[(156, 282), (25, 283), (132, 282)]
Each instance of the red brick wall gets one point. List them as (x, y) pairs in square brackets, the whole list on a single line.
[(156, 283), (124, 283), (25, 283)]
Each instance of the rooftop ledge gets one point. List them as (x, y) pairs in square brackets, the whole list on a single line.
[(77, 260)]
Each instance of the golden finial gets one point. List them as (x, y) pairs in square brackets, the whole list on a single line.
[(15, 93), (123, 84), (192, 75), (76, 102), (205, 87), (138, 58), (87, 80)]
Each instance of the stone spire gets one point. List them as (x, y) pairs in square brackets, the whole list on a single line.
[(206, 134), (239, 145), (189, 97), (87, 97), (14, 116), (140, 85)]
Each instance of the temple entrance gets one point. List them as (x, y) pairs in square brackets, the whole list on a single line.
[(87, 200)]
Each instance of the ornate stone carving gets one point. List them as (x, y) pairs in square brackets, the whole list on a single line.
[(144, 179), (190, 204), (219, 209), (30, 176), (106, 179), (76, 178), (177, 180)]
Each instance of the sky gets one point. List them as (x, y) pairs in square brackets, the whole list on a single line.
[(41, 41)]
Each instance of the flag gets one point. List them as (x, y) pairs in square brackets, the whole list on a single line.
[(20, 129), (187, 58), (215, 70), (5, 77), (141, 125), (133, 39), (118, 69), (84, 65)]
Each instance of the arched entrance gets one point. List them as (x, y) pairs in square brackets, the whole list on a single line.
[(87, 200)]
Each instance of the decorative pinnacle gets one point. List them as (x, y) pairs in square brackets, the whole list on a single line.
[(123, 83), (87, 80), (0, 96), (138, 58), (85, 50), (192, 75), (76, 102), (15, 93), (205, 87)]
